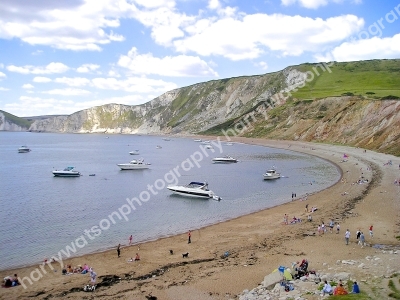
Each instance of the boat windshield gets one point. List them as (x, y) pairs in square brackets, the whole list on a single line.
[(68, 168), (195, 184)]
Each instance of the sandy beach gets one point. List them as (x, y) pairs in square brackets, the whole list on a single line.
[(255, 244)]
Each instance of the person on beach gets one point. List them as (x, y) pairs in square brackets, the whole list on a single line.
[(327, 289), (331, 224), (130, 240), (371, 233), (307, 208), (137, 257), (337, 228), (347, 236), (323, 229), (358, 233), (119, 250), (285, 219), (362, 240), (93, 276), (189, 236), (356, 288)]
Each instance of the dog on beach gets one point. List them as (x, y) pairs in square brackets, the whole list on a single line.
[(171, 252), (185, 255)]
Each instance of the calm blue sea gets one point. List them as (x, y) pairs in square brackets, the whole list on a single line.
[(42, 214)]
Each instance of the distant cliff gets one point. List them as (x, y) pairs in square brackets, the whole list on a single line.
[(346, 103), (9, 122)]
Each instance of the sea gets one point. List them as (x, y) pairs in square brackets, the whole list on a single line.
[(44, 216)]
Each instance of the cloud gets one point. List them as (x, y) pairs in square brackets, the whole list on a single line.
[(67, 92), (41, 79), (262, 64), (314, 4), (134, 85), (86, 68), (2, 75), (252, 35), (176, 66), (49, 22), (2, 89), (373, 48), (49, 69), (76, 81), (27, 86)]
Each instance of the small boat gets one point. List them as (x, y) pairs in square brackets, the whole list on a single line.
[(67, 172), (23, 149), (209, 147), (92, 174), (166, 139), (271, 174), (205, 142), (158, 147), (134, 152), (229, 144), (134, 165), (197, 140), (224, 160), (194, 189)]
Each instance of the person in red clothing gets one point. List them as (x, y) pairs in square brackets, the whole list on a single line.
[(189, 237), (371, 234)]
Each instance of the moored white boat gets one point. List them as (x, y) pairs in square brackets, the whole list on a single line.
[(24, 149), (193, 189), (271, 174), (67, 172), (197, 140), (134, 165), (224, 160), (134, 152)]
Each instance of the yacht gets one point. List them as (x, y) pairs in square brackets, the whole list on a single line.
[(134, 165), (67, 172), (134, 152), (197, 140), (193, 189), (224, 160), (23, 149), (271, 174)]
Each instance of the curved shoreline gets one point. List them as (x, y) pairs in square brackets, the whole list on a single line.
[(152, 239), (251, 235)]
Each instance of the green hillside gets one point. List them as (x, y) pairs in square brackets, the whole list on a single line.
[(374, 79), (16, 120)]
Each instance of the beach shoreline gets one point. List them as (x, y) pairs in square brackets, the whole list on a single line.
[(243, 237)]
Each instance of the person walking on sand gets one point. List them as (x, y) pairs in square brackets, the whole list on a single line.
[(93, 276), (130, 240), (307, 208), (347, 236), (337, 228), (331, 224), (362, 240), (119, 250), (371, 233), (189, 237)]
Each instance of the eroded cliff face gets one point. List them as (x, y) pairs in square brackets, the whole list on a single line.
[(8, 125)]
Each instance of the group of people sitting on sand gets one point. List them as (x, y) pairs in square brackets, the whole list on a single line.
[(339, 289), (10, 281), (137, 257), (77, 270)]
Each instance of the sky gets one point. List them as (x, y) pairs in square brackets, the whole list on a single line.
[(59, 57)]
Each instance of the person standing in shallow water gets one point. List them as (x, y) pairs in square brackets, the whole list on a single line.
[(189, 237), (119, 250)]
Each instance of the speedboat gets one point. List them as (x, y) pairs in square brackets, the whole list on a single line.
[(197, 140), (209, 147), (134, 152), (23, 149), (166, 139), (193, 189), (134, 165), (224, 160), (67, 172), (271, 174), (205, 142), (158, 147)]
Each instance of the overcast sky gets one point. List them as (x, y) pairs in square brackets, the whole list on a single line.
[(58, 57)]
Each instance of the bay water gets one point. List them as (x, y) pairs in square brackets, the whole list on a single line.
[(42, 214)]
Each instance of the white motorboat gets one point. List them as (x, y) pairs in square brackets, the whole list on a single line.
[(134, 152), (197, 140), (224, 160), (271, 174), (205, 142), (67, 172), (158, 147), (166, 139), (24, 149), (134, 165), (193, 189), (209, 147)]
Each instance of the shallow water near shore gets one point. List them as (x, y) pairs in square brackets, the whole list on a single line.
[(42, 214)]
